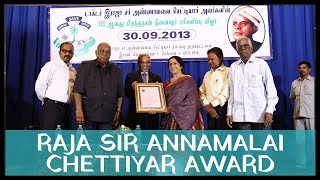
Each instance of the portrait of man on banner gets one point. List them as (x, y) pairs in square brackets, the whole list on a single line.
[(246, 21)]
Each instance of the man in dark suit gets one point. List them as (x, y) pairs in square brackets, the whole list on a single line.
[(145, 120)]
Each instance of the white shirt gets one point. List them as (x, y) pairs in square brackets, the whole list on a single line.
[(302, 93), (215, 87), (252, 91), (52, 81)]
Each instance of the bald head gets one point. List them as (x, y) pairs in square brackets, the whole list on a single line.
[(103, 53), (144, 62), (103, 45)]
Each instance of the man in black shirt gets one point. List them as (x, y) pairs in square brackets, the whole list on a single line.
[(98, 92)]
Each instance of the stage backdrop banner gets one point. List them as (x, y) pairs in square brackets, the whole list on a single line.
[(159, 30)]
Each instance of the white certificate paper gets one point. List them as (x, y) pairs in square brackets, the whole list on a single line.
[(150, 96)]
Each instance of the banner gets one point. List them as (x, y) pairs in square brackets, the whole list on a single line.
[(161, 31), (153, 153)]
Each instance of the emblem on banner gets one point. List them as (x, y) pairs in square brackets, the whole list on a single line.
[(74, 27)]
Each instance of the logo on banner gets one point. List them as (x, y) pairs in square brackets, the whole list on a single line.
[(71, 30)]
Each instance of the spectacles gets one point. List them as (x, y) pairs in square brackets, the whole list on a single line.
[(66, 51), (243, 46)]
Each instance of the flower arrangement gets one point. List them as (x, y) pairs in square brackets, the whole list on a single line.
[(123, 127)]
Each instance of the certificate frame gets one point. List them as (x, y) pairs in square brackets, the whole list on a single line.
[(150, 97)]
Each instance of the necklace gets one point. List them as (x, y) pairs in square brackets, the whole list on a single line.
[(175, 78)]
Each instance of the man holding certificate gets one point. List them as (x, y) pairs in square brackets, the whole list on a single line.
[(147, 121)]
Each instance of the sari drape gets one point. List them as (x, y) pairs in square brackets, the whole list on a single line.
[(183, 105)]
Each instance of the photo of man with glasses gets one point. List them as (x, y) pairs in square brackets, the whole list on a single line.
[(246, 21)]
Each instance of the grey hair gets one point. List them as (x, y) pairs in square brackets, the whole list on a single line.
[(243, 38)]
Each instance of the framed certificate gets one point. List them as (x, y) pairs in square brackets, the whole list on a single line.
[(150, 97)]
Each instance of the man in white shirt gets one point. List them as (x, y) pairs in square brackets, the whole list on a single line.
[(214, 90), (54, 88), (302, 94), (253, 95)]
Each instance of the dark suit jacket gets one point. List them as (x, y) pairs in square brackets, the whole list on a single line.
[(256, 45), (146, 120)]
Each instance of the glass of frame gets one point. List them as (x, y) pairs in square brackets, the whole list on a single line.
[(150, 97)]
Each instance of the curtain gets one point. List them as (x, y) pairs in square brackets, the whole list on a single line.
[(26, 51)]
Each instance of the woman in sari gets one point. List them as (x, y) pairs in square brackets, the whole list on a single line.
[(182, 100)]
